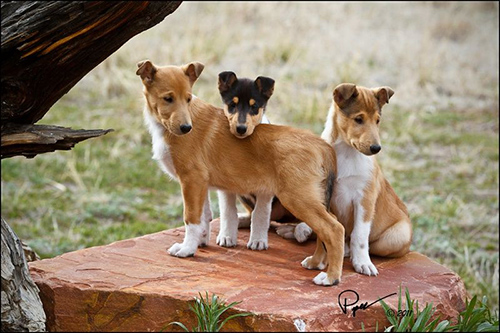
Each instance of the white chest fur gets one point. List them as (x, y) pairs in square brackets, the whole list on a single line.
[(354, 171), (161, 150)]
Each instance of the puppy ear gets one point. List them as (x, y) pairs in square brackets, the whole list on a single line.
[(383, 95), (344, 92), (146, 70), (193, 71), (265, 85), (226, 81)]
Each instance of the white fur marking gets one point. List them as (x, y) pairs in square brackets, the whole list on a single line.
[(322, 280), (161, 150), (306, 263), (360, 256), (354, 171), (192, 238)]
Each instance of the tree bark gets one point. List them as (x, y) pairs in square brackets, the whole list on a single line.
[(48, 46), (22, 308)]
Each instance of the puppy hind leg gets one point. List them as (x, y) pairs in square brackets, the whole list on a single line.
[(317, 260), (331, 233), (394, 242), (228, 233), (327, 228), (260, 223)]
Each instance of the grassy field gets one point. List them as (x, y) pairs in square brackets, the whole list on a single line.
[(439, 133)]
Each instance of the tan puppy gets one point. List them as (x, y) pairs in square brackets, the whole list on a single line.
[(197, 147), (375, 219)]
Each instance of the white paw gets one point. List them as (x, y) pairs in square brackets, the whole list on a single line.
[(258, 244), (365, 267), (322, 280), (226, 241), (180, 250), (306, 263), (286, 231), (302, 232)]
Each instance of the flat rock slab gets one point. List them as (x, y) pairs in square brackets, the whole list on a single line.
[(134, 285)]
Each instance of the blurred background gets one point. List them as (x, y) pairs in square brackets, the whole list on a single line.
[(439, 132)]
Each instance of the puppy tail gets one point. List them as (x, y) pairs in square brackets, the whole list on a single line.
[(330, 181), (331, 170)]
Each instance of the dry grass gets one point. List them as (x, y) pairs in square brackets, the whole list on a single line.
[(440, 131)]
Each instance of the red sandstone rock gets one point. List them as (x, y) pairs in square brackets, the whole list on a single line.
[(134, 285)]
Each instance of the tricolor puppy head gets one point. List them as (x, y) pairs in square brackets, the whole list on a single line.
[(168, 93), (244, 101), (359, 116)]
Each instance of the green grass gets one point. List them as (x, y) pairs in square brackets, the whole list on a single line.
[(440, 149), (209, 312), (477, 317)]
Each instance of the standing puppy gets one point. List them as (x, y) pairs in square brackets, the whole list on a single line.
[(295, 165), (245, 103), (376, 221)]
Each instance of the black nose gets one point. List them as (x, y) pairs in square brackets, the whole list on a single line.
[(186, 128), (241, 129), (375, 149)]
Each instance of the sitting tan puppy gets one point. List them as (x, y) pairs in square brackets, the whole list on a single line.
[(375, 219), (194, 144)]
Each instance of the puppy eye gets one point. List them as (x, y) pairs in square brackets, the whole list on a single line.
[(255, 109), (378, 121), (231, 107), (358, 120), (168, 99), (189, 99)]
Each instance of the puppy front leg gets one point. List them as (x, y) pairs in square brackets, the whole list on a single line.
[(260, 223), (194, 195), (228, 233), (360, 234)]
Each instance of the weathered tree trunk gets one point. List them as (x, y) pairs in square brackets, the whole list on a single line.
[(46, 48), (30, 140), (21, 306)]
